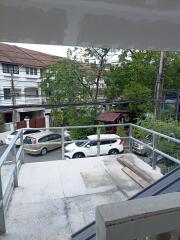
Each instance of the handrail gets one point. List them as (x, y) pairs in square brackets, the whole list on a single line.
[(130, 137), (80, 127), (157, 133), (109, 125), (8, 149), (158, 151)]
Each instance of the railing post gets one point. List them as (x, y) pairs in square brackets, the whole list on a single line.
[(2, 217), (15, 166), (130, 137), (154, 154), (98, 141), (62, 142), (22, 144)]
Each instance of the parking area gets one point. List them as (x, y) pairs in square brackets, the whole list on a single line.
[(50, 156), (53, 155)]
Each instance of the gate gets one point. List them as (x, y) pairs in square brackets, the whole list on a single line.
[(40, 123), (21, 124), (33, 123)]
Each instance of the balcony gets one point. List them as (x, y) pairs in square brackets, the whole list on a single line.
[(54, 199), (33, 100), (22, 100)]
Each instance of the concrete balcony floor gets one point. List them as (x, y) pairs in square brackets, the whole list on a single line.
[(55, 199)]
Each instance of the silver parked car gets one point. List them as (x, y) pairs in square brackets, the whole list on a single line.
[(142, 149), (41, 143)]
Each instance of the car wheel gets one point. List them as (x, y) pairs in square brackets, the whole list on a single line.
[(44, 151), (78, 155), (113, 152)]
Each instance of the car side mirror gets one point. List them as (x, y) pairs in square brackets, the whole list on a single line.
[(88, 146)]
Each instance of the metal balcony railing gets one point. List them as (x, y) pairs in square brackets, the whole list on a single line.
[(12, 159)]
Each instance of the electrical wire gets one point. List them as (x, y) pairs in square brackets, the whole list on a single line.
[(77, 104)]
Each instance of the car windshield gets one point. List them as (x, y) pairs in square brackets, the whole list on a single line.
[(14, 133), (82, 143), (148, 137)]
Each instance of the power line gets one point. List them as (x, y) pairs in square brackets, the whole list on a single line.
[(121, 102)]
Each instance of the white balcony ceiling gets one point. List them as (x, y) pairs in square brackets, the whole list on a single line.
[(142, 24)]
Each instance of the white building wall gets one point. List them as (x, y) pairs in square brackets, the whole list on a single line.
[(21, 81)]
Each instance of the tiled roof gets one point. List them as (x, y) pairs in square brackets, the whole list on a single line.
[(26, 57), (167, 184)]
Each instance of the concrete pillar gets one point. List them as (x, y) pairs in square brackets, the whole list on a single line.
[(47, 122), (17, 116), (27, 122), (12, 127)]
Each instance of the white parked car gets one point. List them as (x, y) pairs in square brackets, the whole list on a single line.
[(10, 137), (109, 144)]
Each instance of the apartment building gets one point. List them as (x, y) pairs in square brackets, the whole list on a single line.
[(23, 68)]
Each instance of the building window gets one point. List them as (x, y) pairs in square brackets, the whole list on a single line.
[(35, 71), (31, 71), (37, 93), (7, 93), (17, 92), (27, 71), (8, 68)]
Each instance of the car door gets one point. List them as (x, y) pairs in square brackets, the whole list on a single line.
[(90, 149), (54, 140), (104, 146), (43, 143)]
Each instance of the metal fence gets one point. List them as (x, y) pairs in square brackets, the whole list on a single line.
[(12, 158)]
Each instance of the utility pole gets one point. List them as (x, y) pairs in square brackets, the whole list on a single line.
[(13, 97), (13, 93), (177, 104), (158, 98)]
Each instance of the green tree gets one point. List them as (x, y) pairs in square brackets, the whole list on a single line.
[(67, 81), (134, 66), (73, 80), (138, 91), (170, 128), (98, 59)]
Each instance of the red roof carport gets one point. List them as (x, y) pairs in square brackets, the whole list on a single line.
[(109, 117)]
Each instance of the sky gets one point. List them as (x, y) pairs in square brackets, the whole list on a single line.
[(56, 50)]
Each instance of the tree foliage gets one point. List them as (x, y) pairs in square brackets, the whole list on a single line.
[(140, 68), (138, 91), (134, 66), (75, 79), (67, 81), (169, 128), (98, 59)]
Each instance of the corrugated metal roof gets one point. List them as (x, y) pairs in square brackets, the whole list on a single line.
[(167, 184), (26, 57)]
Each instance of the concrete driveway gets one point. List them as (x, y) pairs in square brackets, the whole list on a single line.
[(53, 155)]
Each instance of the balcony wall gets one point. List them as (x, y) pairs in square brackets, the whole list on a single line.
[(150, 218)]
